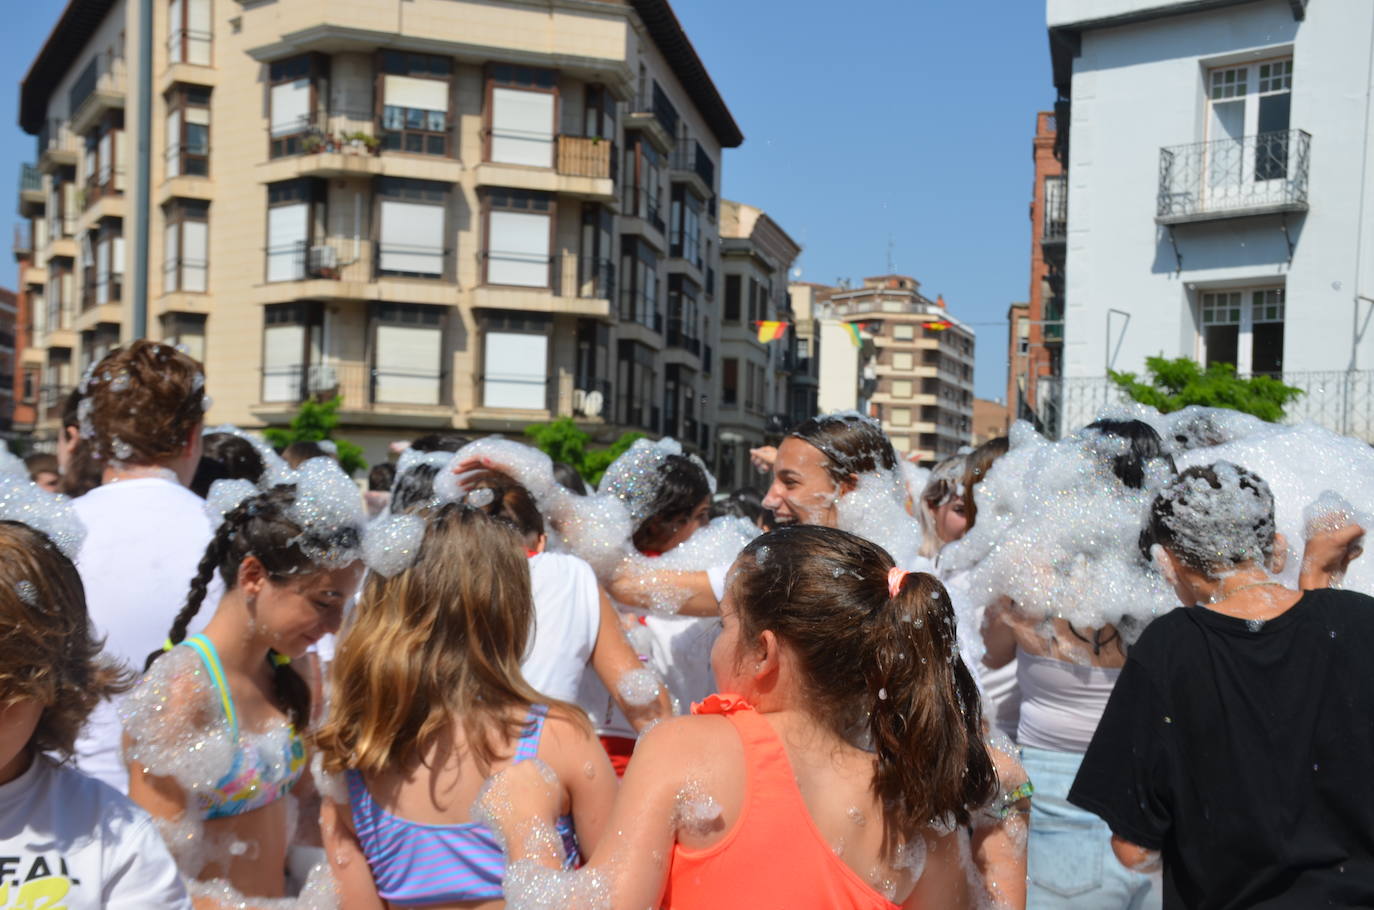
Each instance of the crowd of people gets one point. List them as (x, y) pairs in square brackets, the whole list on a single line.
[(1085, 673)]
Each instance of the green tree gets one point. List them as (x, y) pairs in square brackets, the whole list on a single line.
[(563, 441), (1174, 384), (316, 421)]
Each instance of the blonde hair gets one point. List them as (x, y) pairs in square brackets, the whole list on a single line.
[(434, 647)]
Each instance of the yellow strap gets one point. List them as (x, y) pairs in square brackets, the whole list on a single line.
[(211, 659)]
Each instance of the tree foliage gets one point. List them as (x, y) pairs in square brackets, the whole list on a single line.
[(316, 421), (1174, 384), (563, 441)]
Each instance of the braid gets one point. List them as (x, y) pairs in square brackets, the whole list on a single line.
[(200, 584)]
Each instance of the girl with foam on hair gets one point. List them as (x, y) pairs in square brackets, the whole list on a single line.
[(763, 798), (215, 732), (429, 701), (1236, 745)]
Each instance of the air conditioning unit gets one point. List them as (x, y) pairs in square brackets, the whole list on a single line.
[(323, 259)]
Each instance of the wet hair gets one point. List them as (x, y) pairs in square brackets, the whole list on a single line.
[(944, 484), (298, 453), (261, 526), (381, 477), (439, 442), (84, 471), (852, 444), (1144, 446), (146, 400), (509, 502), (48, 651), (437, 648), (413, 488), (41, 463), (568, 478), (742, 503), (883, 668), (682, 485), (240, 458), (1213, 518), (976, 467)]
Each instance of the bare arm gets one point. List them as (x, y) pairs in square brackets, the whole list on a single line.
[(586, 774), (1134, 856), (612, 657), (352, 876), (998, 636), (690, 592)]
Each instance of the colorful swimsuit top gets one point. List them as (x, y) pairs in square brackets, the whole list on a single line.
[(263, 770), (415, 863)]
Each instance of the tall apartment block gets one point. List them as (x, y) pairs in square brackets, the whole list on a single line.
[(753, 402), (452, 214), (912, 367)]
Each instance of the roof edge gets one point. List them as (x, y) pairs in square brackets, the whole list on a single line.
[(667, 32)]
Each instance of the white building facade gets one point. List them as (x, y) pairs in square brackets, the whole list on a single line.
[(1219, 206)]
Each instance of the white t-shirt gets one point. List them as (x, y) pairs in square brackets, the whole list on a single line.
[(679, 652), (145, 538), (68, 841), (567, 618)]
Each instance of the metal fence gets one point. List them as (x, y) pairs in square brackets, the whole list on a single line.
[(1209, 179), (1339, 400)]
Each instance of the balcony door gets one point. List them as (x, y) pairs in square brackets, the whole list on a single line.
[(1249, 107)]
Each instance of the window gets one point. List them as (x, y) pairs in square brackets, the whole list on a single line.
[(188, 131), (521, 106), (636, 380), (294, 99), (188, 32), (596, 269), (903, 332), (593, 367), (415, 102), (519, 239), (729, 382), (515, 354), (292, 347), (1254, 99), (408, 352), (682, 314), (685, 240), (643, 181), (412, 233), (901, 388), (98, 342), (30, 387), (900, 417), (903, 360), (1243, 328), (59, 293), (62, 204), (186, 246), (103, 163), (289, 223), (108, 277), (186, 333), (1056, 202), (598, 115), (732, 295), (639, 283)]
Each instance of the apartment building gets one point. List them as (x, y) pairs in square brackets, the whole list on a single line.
[(9, 328), (754, 392), (1218, 207), (807, 299), (26, 378), (453, 214), (912, 365)]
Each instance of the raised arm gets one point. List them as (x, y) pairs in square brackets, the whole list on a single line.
[(690, 593), (612, 657)]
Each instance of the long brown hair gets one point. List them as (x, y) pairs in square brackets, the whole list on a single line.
[(875, 664), (980, 460), (47, 648), (434, 648)]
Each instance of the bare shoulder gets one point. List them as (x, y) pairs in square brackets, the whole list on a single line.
[(686, 740)]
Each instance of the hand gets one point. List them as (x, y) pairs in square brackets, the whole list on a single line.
[(763, 458), (1328, 554)]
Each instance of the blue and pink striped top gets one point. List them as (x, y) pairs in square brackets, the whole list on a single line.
[(415, 864)]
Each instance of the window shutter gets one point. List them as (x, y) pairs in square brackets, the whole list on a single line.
[(408, 364), (518, 249), (522, 127), (412, 238), (287, 227), (516, 367)]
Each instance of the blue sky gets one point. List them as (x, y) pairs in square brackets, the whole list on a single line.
[(874, 124)]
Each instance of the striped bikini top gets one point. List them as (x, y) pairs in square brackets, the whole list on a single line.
[(265, 766), (415, 864)]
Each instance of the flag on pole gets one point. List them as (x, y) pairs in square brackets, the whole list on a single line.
[(771, 331), (937, 325), (854, 336)]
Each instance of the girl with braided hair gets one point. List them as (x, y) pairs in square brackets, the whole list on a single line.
[(214, 732)]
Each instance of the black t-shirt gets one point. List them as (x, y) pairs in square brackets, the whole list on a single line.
[(1245, 753)]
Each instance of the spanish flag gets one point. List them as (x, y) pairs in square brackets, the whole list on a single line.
[(854, 336), (771, 331), (937, 325)]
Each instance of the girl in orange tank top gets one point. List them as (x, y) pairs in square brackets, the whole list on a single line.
[(841, 775)]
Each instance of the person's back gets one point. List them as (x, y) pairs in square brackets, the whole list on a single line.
[(1259, 738), (146, 532), (567, 609)]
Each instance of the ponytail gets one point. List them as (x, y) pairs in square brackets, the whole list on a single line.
[(925, 703), (877, 654)]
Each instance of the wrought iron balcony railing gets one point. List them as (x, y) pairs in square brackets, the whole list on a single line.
[(30, 179), (1227, 178), (361, 385)]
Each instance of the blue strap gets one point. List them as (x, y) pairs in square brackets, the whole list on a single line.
[(210, 657), (534, 728)]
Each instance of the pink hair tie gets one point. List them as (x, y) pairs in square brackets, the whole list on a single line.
[(895, 576)]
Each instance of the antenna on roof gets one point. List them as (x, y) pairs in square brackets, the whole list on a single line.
[(890, 269)]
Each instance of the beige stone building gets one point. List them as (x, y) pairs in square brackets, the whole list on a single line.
[(913, 369), (753, 397), (455, 214)]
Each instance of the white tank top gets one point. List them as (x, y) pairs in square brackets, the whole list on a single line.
[(1061, 702)]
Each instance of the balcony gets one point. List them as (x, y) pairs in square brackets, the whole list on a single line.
[(56, 146), (1054, 228), (31, 197), (346, 144), (654, 114), (678, 337), (572, 284), (370, 394), (23, 241), (690, 164), (582, 167), (1264, 174), (350, 268), (101, 87)]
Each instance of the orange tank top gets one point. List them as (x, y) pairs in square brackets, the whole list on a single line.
[(773, 856)]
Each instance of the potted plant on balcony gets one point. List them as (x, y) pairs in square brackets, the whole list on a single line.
[(312, 144)]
